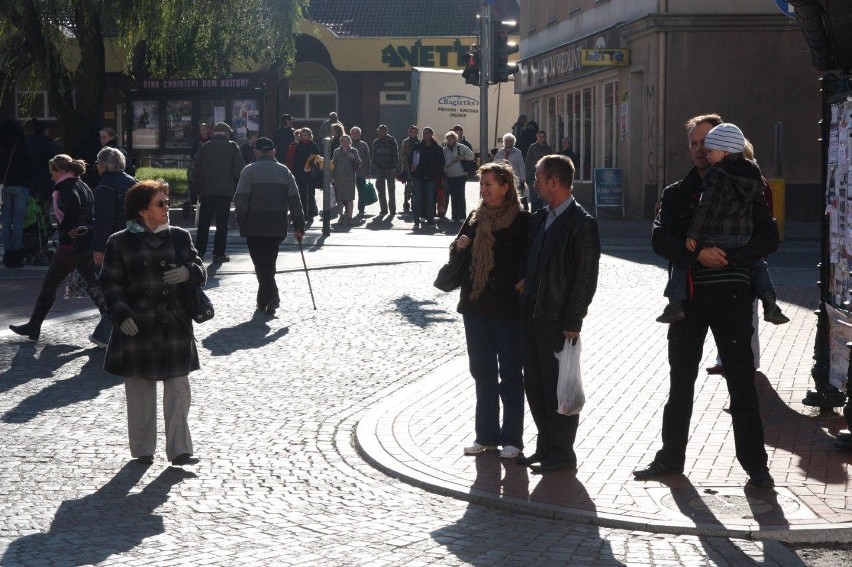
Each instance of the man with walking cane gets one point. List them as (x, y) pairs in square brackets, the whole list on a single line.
[(265, 193)]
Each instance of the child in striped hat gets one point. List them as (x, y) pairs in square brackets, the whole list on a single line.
[(723, 219)]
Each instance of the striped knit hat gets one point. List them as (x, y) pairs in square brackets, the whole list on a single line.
[(726, 137)]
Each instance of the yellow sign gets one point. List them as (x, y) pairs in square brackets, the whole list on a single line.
[(604, 57)]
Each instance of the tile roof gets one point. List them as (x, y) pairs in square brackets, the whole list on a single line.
[(400, 18)]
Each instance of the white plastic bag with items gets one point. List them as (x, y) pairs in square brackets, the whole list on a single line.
[(569, 388)]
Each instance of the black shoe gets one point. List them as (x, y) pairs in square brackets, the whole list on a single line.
[(654, 470), (716, 369), (827, 397), (185, 459), (552, 466), (772, 314), (222, 258), (527, 461), (29, 330), (270, 309), (672, 313), (761, 479), (145, 460), (406, 207)]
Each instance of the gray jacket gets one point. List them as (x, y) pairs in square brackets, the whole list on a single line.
[(265, 193), (363, 149)]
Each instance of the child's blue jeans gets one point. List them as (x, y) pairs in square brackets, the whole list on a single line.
[(761, 283)]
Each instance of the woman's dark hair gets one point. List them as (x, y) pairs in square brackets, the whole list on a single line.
[(505, 174), (64, 162), (139, 197)]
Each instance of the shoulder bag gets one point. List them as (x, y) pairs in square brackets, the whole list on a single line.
[(452, 274), (195, 301)]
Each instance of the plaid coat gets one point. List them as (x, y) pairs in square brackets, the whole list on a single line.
[(133, 286), (730, 188)]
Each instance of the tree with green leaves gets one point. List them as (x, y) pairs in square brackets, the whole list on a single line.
[(61, 44)]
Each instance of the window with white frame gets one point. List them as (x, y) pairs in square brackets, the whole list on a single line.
[(32, 104), (581, 129), (313, 92)]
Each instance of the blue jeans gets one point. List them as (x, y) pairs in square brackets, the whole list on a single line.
[(761, 283), (423, 200), (494, 347), (455, 192), (15, 199)]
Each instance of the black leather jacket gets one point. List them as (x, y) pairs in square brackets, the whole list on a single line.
[(569, 262), (678, 203)]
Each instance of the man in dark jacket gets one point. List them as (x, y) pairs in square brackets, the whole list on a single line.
[(385, 158), (284, 136), (561, 277), (217, 169), (427, 166), (109, 217), (266, 192), (722, 302)]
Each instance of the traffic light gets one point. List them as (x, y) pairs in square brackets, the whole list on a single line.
[(471, 68), (501, 49)]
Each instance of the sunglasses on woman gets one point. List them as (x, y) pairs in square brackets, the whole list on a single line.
[(162, 203)]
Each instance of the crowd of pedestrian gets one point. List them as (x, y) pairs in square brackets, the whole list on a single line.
[(533, 253)]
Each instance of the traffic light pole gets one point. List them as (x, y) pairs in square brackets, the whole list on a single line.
[(485, 74)]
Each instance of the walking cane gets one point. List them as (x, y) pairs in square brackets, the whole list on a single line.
[(302, 252)]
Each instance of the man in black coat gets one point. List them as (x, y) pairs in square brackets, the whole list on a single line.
[(284, 136), (722, 302), (426, 163), (563, 257)]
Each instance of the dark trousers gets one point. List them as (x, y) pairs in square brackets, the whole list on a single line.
[(494, 351), (264, 254), (556, 432), (220, 207), (726, 309), (66, 260), (455, 193), (360, 184), (386, 178)]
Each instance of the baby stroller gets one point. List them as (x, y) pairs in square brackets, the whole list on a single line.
[(37, 232)]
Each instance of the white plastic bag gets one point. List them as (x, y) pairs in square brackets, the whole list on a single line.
[(569, 388)]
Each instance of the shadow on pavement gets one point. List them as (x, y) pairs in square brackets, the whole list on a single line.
[(93, 528), (87, 385), (702, 508), (810, 438), (417, 312), (32, 361), (483, 536), (248, 335)]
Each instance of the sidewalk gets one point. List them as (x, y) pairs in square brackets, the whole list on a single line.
[(417, 433)]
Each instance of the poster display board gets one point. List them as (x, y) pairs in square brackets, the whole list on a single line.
[(146, 124), (838, 210), (609, 188)]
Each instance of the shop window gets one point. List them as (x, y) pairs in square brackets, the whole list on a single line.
[(610, 124), (179, 130), (146, 125), (555, 122), (589, 134), (580, 128)]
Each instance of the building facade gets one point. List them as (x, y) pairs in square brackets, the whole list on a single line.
[(621, 77)]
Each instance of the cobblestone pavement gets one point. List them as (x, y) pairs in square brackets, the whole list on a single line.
[(275, 407)]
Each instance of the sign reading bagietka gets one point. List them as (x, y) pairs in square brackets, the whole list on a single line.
[(193, 84), (563, 63)]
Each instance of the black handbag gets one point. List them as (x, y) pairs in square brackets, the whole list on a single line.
[(195, 301), (197, 304), (452, 274)]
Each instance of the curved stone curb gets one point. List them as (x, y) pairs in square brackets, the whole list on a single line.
[(378, 446)]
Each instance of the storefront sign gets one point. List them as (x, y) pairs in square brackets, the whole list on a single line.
[(419, 54), (561, 64), (609, 188), (194, 84), (604, 57)]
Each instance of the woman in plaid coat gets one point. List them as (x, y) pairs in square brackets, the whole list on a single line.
[(145, 267)]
